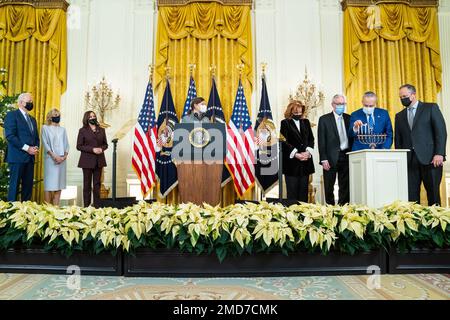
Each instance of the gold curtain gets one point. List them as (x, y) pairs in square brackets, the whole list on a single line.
[(33, 50), (404, 50), (205, 34)]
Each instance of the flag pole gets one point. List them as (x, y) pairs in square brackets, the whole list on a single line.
[(241, 71), (192, 67), (263, 77), (151, 69), (213, 76), (166, 93)]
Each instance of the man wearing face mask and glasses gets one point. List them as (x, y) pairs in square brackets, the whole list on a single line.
[(333, 147), (370, 120), (420, 127), (21, 133)]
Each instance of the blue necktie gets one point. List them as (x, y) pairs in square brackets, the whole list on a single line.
[(370, 121)]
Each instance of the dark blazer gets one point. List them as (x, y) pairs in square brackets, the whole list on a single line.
[(383, 125), (86, 142), (17, 134), (428, 136), (328, 137), (296, 140)]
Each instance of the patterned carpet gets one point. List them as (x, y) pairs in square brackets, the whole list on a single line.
[(392, 287)]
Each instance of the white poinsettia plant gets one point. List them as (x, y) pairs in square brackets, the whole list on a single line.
[(225, 231)]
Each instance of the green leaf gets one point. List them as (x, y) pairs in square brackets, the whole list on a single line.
[(438, 239), (221, 253)]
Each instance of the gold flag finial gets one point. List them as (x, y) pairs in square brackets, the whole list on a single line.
[(151, 69), (240, 67), (192, 67), (167, 69), (264, 68), (213, 69)]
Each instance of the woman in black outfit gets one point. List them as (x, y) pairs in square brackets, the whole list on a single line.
[(298, 147)]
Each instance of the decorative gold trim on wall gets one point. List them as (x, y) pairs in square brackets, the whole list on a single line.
[(167, 3), (366, 3), (40, 4)]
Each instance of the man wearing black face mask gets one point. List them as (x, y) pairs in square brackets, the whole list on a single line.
[(420, 127), (23, 145)]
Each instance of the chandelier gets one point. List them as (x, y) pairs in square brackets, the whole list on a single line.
[(101, 99), (308, 94)]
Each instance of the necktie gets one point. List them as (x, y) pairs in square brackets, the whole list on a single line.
[(30, 124), (342, 136), (371, 122), (410, 117)]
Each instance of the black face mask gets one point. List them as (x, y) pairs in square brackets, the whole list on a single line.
[(296, 116), (199, 115), (93, 122), (406, 102), (29, 106), (56, 119)]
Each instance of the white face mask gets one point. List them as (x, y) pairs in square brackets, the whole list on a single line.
[(203, 108), (368, 110)]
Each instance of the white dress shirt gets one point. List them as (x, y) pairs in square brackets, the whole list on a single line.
[(309, 149), (25, 114), (414, 107), (338, 119)]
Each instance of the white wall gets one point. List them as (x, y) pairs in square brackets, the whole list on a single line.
[(115, 39), (444, 31), (291, 35)]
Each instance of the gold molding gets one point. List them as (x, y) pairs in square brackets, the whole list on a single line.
[(40, 4), (170, 3), (366, 3)]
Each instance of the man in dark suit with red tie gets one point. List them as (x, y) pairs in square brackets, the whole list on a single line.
[(334, 144), (420, 127), (21, 133)]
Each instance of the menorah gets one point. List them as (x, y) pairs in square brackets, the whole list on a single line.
[(368, 137)]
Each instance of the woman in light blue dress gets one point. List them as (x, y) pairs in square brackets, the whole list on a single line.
[(56, 149)]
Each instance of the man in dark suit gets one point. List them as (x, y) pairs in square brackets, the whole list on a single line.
[(21, 133), (420, 127), (333, 147)]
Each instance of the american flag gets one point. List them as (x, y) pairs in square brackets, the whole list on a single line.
[(192, 93), (240, 157), (144, 143)]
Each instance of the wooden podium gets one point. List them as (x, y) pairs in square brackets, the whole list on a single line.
[(378, 177), (198, 152), (199, 182)]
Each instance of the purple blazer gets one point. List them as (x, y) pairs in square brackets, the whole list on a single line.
[(86, 142)]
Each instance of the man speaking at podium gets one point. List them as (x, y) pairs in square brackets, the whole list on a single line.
[(420, 127)]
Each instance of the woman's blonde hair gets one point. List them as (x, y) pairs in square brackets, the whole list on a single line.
[(290, 108), (48, 118)]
